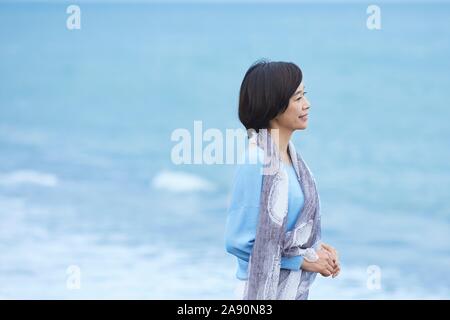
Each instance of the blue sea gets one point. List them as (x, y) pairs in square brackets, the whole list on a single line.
[(86, 117)]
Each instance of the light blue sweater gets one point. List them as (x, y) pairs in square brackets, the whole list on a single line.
[(243, 213)]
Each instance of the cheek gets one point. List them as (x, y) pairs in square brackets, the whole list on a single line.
[(292, 112), (295, 108)]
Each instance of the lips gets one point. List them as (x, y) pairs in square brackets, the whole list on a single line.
[(305, 115)]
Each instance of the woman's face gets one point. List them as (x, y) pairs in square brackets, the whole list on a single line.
[(293, 117)]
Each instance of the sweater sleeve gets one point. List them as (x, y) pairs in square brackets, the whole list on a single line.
[(243, 215)]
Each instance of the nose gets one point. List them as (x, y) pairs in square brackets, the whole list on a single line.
[(308, 105)]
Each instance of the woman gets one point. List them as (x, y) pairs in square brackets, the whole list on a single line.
[(273, 222)]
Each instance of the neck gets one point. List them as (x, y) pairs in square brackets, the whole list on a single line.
[(284, 135)]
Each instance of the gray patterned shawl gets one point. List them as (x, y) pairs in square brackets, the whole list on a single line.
[(267, 281)]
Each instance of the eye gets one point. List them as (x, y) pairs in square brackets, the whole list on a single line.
[(301, 96)]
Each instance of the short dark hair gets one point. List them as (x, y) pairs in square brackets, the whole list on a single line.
[(265, 92)]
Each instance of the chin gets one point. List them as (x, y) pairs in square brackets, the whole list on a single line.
[(303, 126)]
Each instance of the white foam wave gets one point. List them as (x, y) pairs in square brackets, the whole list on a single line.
[(28, 177), (180, 182)]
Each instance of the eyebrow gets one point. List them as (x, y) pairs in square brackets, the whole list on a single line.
[(299, 92)]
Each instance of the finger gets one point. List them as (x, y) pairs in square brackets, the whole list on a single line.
[(330, 268), (329, 258), (331, 249), (334, 253), (327, 249), (337, 271), (336, 256), (336, 267), (330, 261), (326, 273), (331, 253), (334, 260)]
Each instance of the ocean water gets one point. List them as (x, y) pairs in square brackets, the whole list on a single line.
[(86, 177)]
